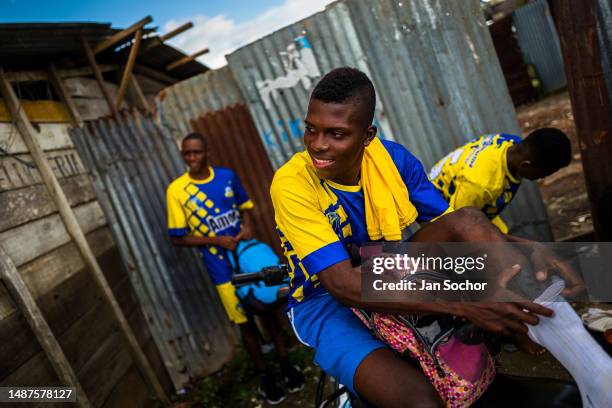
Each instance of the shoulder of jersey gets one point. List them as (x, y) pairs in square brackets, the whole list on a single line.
[(179, 181)]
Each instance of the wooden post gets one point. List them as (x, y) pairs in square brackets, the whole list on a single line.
[(577, 27), (28, 307), (185, 60), (142, 99), (127, 72), (99, 78), (76, 233), (60, 89), (121, 35), (158, 76), (178, 30)]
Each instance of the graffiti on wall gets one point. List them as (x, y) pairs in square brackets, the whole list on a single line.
[(301, 66)]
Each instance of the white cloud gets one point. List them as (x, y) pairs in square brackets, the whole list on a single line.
[(222, 35)]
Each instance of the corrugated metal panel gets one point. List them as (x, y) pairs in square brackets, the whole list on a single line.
[(234, 142), (132, 162), (539, 42), (604, 31), (178, 105), (277, 72), (433, 65)]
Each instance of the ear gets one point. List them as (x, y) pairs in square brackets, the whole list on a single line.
[(370, 134)]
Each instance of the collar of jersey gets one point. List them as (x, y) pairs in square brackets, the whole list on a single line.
[(342, 187), (206, 180), (505, 166)]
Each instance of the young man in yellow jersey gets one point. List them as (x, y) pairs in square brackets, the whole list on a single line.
[(209, 209), (487, 172), (348, 188)]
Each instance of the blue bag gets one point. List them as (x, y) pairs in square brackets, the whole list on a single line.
[(252, 256)]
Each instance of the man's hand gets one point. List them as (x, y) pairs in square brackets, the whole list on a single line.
[(227, 242), (245, 234), (545, 261), (504, 318)]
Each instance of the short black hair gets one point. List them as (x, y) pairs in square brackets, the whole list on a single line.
[(343, 84), (548, 149), (195, 136)]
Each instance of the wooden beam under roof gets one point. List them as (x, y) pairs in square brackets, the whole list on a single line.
[(121, 35), (178, 30), (127, 72), (186, 59), (60, 89), (154, 74), (99, 78)]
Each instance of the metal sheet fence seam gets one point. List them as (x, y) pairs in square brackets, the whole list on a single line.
[(604, 31), (539, 42), (432, 62), (132, 161)]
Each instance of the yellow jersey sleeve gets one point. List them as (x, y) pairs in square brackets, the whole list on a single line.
[(303, 224), (177, 222)]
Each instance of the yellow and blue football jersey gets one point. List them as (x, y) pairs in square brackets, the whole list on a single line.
[(477, 175), (208, 208), (316, 231)]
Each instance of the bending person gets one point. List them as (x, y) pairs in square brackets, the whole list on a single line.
[(487, 172)]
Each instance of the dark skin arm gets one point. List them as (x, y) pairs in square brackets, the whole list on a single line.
[(246, 232), (224, 241), (502, 318)]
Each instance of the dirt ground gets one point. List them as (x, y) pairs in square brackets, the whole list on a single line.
[(564, 192)]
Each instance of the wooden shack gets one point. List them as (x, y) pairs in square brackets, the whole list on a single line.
[(52, 77)]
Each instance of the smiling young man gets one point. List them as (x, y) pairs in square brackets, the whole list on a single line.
[(487, 172), (209, 209), (345, 189)]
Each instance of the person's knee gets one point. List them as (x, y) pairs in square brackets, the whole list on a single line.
[(429, 401), (387, 380), (469, 215), (471, 223)]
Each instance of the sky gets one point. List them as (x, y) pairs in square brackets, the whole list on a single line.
[(220, 25)]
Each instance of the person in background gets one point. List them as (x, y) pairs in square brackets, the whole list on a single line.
[(487, 172), (209, 209)]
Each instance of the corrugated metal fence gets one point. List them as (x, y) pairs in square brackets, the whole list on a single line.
[(178, 105), (538, 39), (433, 65), (132, 161), (604, 31)]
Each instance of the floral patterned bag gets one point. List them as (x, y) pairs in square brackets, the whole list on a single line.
[(459, 372)]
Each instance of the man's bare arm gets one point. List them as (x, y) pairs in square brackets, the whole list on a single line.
[(226, 242), (344, 283)]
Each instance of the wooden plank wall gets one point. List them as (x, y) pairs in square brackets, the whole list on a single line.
[(88, 98), (33, 235)]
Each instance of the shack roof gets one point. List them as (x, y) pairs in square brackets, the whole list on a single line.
[(30, 46)]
